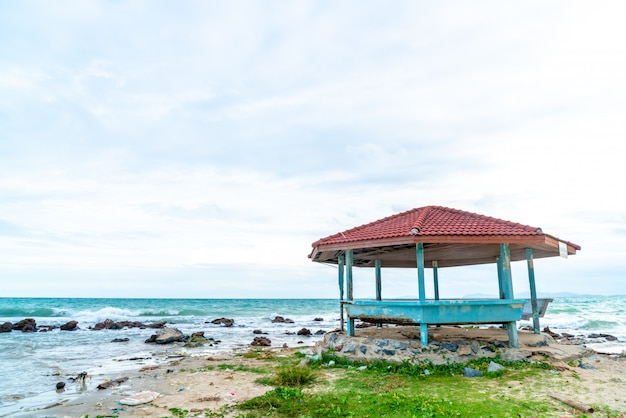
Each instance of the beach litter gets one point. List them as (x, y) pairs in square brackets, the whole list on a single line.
[(140, 398)]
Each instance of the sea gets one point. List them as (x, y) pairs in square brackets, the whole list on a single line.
[(31, 363)]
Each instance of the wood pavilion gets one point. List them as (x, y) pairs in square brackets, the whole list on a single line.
[(437, 237)]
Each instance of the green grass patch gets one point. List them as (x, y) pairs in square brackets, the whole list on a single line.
[(199, 370), (242, 368)]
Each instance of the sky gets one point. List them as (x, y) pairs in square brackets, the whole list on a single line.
[(198, 148)]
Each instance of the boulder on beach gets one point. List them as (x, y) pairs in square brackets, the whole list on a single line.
[(6, 327), (261, 341), (69, 326), (169, 335), (227, 322), (259, 331), (282, 320)]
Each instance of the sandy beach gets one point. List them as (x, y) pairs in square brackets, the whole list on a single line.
[(200, 383)]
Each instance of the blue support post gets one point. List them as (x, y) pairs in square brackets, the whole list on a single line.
[(533, 290), (341, 268), (436, 279), (500, 285), (349, 262), (377, 264), (507, 282), (419, 254)]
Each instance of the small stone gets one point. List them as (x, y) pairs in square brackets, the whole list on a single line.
[(304, 331), (399, 345), (119, 340), (469, 372), (60, 385), (389, 352), (350, 348), (362, 368), (450, 346), (382, 343), (318, 319), (363, 349), (494, 367)]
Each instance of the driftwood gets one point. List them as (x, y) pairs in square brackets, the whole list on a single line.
[(580, 406), (113, 382)]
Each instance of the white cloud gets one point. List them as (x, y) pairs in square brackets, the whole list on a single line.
[(205, 139)]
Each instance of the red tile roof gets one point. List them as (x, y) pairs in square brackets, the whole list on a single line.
[(431, 221)]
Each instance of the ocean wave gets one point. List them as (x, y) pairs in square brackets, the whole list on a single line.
[(26, 312)]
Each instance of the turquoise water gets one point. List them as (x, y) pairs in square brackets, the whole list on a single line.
[(32, 363)]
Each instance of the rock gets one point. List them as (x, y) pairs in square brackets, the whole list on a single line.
[(282, 320), (152, 339), (119, 340), (382, 343), (494, 367), (258, 331), (399, 345), (110, 324), (26, 325), (586, 366), (541, 343), (363, 349), (227, 322), (69, 326), (349, 349), (60, 385), (169, 335), (389, 352), (450, 346), (320, 332), (114, 382), (261, 341), (6, 327), (463, 349), (550, 333), (318, 319), (469, 372), (304, 331)]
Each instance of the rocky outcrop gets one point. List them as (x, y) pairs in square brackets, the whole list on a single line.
[(6, 327), (110, 324), (69, 326), (261, 341), (26, 325), (304, 331), (227, 322), (282, 320), (166, 336)]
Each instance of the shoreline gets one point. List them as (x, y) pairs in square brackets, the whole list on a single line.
[(211, 381)]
